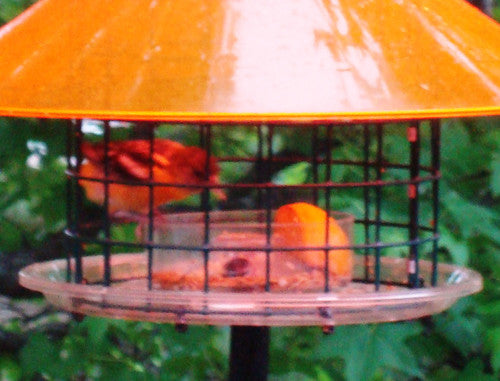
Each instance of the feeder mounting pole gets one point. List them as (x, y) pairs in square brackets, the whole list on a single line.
[(249, 358)]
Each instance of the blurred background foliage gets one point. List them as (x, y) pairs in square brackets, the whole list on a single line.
[(460, 344)]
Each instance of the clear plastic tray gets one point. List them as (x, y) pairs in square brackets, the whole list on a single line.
[(129, 298)]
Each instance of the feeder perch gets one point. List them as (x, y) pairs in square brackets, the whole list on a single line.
[(263, 253)]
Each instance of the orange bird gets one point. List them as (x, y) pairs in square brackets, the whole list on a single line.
[(129, 160)]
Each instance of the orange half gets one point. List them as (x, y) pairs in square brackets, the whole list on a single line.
[(301, 224)]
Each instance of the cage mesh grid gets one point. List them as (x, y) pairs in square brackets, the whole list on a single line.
[(266, 195)]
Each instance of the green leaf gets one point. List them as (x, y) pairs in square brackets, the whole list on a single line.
[(475, 371), (233, 172), (124, 232), (461, 327), (11, 237), (491, 308), (444, 373), (9, 369), (97, 332), (432, 350), (457, 249), (119, 371), (322, 375), (460, 154), (11, 8), (293, 174), (472, 218), (495, 174), (493, 341), (39, 355), (294, 376), (291, 349), (368, 348)]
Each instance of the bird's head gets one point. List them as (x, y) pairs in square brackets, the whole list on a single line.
[(205, 172)]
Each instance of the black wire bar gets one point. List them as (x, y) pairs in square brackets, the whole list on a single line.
[(78, 200), (378, 201), (70, 185), (373, 181), (259, 163), (265, 186), (413, 136), (206, 138), (328, 178), (269, 195), (106, 219), (436, 164), (151, 209), (374, 245), (315, 162), (297, 158), (366, 195)]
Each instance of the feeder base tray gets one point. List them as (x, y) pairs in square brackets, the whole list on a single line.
[(354, 303)]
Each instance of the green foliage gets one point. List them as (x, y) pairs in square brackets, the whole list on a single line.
[(10, 370), (369, 349), (105, 349), (11, 8), (495, 174), (31, 182), (460, 344)]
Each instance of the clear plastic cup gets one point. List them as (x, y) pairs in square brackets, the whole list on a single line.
[(238, 252)]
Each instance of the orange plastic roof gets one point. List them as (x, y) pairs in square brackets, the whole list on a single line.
[(250, 60)]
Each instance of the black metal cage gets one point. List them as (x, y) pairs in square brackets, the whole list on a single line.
[(372, 176)]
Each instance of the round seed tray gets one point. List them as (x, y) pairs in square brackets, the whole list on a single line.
[(357, 302)]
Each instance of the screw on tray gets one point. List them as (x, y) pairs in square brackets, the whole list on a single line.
[(181, 325), (326, 313)]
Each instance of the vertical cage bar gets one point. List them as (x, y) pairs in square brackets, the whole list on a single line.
[(151, 207), (413, 197), (259, 164), (366, 195), (106, 220), (436, 168), (70, 189), (378, 201), (78, 202), (205, 202), (314, 161), (269, 171), (328, 178), (201, 136)]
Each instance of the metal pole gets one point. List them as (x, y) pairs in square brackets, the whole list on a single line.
[(249, 358)]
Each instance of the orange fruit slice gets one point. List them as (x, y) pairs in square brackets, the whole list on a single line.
[(301, 224)]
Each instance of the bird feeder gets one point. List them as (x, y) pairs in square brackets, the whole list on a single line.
[(270, 254)]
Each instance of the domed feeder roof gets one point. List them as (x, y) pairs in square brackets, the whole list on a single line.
[(250, 60)]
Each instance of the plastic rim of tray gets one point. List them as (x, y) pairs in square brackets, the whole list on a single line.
[(130, 299)]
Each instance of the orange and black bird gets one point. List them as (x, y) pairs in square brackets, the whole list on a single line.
[(129, 161)]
